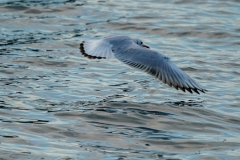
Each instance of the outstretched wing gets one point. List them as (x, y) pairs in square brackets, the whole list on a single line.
[(159, 66), (96, 49)]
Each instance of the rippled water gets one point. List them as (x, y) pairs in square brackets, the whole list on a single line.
[(56, 104)]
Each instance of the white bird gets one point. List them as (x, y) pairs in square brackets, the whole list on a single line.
[(135, 54)]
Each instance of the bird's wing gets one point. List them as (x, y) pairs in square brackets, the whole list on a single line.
[(157, 65), (96, 49)]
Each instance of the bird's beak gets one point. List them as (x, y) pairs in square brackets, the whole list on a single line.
[(145, 46)]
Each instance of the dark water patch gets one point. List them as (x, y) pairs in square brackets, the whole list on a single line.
[(145, 17), (192, 33), (184, 2), (225, 12), (136, 150), (127, 109), (118, 84), (236, 43), (191, 146), (42, 17), (39, 3), (151, 133), (127, 26), (23, 40), (7, 72), (59, 106), (237, 30), (108, 110), (146, 112), (118, 118), (30, 121), (129, 89), (9, 136), (33, 11), (188, 103), (219, 35), (108, 20), (201, 62), (191, 69), (230, 65), (236, 73), (42, 61), (16, 7), (110, 98)]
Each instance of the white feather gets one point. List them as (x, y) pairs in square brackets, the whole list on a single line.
[(98, 48)]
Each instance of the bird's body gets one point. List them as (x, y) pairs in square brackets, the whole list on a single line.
[(135, 54)]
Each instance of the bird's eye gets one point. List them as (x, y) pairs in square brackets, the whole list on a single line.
[(140, 42)]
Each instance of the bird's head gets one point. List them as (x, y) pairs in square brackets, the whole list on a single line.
[(140, 43)]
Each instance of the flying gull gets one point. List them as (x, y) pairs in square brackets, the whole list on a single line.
[(135, 54)]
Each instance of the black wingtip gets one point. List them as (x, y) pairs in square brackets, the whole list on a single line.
[(196, 90), (87, 55), (182, 88), (191, 90)]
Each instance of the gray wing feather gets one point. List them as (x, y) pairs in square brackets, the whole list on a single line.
[(157, 65)]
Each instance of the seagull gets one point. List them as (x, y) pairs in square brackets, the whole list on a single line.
[(137, 55)]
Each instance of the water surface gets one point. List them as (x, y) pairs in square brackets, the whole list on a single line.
[(56, 104)]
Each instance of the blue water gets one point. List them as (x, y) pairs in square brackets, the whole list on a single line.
[(56, 104)]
